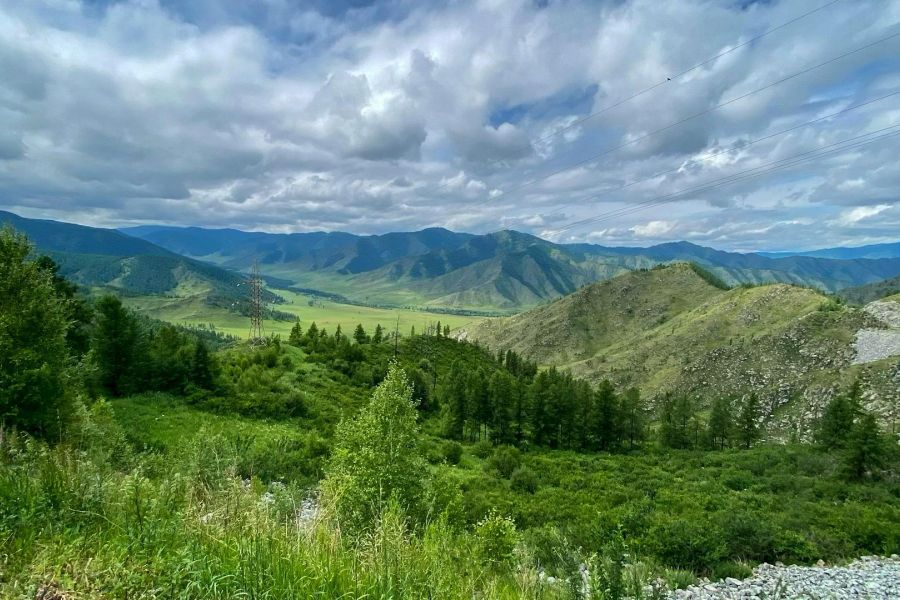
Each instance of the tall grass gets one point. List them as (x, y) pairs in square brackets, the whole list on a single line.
[(151, 527)]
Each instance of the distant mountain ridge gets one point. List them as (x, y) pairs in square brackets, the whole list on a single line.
[(94, 257), (506, 270), (890, 250)]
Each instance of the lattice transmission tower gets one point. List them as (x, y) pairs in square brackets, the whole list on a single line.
[(257, 309)]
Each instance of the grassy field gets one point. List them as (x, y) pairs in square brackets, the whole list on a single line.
[(325, 313)]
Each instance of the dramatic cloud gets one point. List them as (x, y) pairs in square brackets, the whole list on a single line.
[(475, 115)]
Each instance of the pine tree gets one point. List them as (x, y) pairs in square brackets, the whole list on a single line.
[(865, 448), (478, 400), (446, 331), (296, 336), (501, 400), (359, 334), (378, 336), (420, 393), (605, 415), (115, 346), (677, 418), (748, 421), (836, 423), (202, 370), (634, 422), (453, 402), (721, 424)]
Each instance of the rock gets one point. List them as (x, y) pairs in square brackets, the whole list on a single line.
[(820, 563), (869, 578)]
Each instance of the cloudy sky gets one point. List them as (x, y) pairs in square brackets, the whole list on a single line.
[(283, 115)]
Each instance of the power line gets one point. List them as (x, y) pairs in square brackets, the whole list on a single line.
[(685, 72), (750, 143), (670, 79), (833, 148), (695, 115)]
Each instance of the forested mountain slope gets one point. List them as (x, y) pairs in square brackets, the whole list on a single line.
[(671, 330), (94, 257), (505, 270), (872, 291)]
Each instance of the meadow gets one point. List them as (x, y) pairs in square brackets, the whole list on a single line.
[(193, 311)]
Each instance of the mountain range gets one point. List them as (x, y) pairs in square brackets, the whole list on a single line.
[(106, 259), (504, 271)]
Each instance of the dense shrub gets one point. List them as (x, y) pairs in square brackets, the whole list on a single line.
[(524, 480), (504, 461)]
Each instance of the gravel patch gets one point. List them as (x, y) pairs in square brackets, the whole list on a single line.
[(875, 344), (868, 578)]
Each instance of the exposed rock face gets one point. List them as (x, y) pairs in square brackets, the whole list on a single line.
[(876, 344), (869, 578)]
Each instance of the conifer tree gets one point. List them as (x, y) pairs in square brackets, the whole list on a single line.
[(721, 424), (605, 415), (378, 336), (865, 448), (501, 399), (836, 423), (677, 420), (748, 421), (115, 345), (296, 336), (634, 422), (202, 370), (359, 334), (453, 402)]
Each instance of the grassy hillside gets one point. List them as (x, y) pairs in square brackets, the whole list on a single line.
[(669, 330)]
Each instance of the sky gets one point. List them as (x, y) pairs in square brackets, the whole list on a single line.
[(575, 120)]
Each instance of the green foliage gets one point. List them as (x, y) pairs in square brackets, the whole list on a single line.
[(523, 479), (33, 349), (452, 452), (836, 423), (709, 277), (748, 429), (376, 457), (866, 450), (720, 428), (495, 539), (679, 427), (504, 461)]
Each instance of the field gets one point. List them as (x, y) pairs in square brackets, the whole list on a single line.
[(325, 313)]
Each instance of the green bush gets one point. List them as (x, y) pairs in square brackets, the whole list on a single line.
[(504, 461), (452, 452), (690, 544), (482, 449), (495, 539), (524, 480)]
